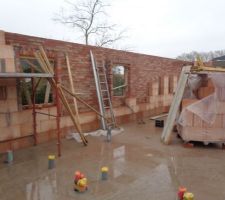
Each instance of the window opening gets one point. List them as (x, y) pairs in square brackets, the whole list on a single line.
[(119, 80)]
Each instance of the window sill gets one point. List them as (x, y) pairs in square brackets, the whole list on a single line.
[(38, 106), (119, 97)]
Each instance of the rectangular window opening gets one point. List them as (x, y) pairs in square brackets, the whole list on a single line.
[(44, 94), (3, 93), (119, 81)]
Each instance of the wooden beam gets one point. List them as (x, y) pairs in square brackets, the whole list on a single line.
[(42, 62), (167, 130), (66, 105), (72, 86), (45, 58), (47, 92), (121, 86), (46, 67), (82, 101), (33, 66)]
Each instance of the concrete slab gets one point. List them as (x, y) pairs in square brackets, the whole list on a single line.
[(140, 167)]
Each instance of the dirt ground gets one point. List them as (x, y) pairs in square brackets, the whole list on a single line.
[(140, 167)]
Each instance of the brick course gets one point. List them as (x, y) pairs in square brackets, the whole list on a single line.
[(143, 69), (143, 72)]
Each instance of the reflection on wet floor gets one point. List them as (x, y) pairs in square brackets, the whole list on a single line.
[(140, 167), (119, 161), (43, 188)]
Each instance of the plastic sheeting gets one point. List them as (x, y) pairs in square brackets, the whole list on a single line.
[(193, 83), (208, 107), (96, 133)]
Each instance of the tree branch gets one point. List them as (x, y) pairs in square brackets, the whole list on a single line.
[(86, 17)]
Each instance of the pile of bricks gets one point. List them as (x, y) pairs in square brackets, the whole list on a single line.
[(197, 129)]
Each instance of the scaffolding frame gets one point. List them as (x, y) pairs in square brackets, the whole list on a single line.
[(33, 76), (52, 76)]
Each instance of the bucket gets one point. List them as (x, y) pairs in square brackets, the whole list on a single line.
[(51, 161), (104, 171), (9, 156)]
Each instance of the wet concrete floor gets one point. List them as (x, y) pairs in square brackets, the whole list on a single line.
[(140, 167)]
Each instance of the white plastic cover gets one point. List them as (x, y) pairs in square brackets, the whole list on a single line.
[(208, 107), (193, 83)]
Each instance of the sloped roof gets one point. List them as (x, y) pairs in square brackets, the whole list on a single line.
[(221, 58)]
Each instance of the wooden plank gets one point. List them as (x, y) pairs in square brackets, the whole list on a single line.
[(159, 116), (66, 104), (42, 62), (82, 101), (73, 117), (72, 87), (208, 69), (33, 66), (45, 58), (46, 67), (167, 131), (121, 86), (47, 92)]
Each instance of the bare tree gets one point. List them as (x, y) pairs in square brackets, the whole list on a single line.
[(205, 56), (108, 38), (88, 16)]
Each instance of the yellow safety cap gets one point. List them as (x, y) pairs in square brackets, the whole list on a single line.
[(51, 157), (188, 196), (105, 169)]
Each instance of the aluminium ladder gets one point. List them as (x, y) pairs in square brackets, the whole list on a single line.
[(103, 94)]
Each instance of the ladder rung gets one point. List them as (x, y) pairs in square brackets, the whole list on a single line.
[(107, 107), (101, 71), (110, 124), (104, 90), (101, 74), (106, 99), (102, 82)]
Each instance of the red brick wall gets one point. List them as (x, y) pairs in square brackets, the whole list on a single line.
[(143, 69)]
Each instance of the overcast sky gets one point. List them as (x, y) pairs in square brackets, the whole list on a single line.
[(156, 27)]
